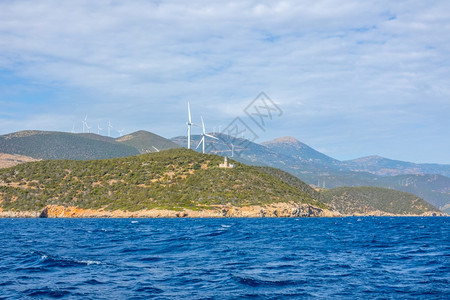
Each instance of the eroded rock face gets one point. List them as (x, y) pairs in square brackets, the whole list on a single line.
[(57, 211), (277, 210)]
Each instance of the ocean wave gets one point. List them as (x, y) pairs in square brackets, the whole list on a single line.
[(259, 282), (47, 293), (48, 260)]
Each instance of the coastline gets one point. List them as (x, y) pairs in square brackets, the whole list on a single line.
[(275, 210)]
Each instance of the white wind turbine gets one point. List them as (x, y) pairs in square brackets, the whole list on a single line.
[(99, 129), (189, 124), (121, 131), (204, 135), (109, 128), (85, 125)]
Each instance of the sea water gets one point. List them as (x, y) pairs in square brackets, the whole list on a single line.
[(336, 258)]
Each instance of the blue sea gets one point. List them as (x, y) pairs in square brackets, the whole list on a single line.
[(334, 258)]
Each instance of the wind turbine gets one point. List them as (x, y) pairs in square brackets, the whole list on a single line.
[(121, 131), (99, 129), (109, 128), (204, 135), (189, 124), (85, 125)]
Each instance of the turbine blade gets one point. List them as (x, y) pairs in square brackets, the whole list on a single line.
[(211, 136), (189, 112), (201, 141), (203, 125)]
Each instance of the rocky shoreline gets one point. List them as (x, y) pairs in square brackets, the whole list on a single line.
[(281, 210), (276, 210)]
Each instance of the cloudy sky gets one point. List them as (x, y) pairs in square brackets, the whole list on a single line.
[(353, 78)]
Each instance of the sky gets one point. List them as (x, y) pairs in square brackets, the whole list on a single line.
[(349, 78)]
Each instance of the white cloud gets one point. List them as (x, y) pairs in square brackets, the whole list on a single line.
[(139, 62)]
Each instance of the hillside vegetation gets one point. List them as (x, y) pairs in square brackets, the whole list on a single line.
[(366, 200), (173, 179), (291, 180)]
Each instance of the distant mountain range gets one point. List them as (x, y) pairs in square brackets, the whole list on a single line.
[(387, 167), (371, 164), (428, 181), (290, 146)]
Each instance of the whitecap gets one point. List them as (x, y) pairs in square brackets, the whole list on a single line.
[(89, 262)]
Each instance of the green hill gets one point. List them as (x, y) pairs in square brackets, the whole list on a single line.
[(177, 178), (291, 180), (63, 145), (367, 200), (360, 200), (180, 178), (146, 142)]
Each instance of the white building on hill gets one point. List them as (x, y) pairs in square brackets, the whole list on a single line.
[(226, 164)]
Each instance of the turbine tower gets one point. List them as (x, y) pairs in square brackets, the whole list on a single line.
[(121, 131), (99, 129), (189, 124), (109, 128), (204, 135)]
